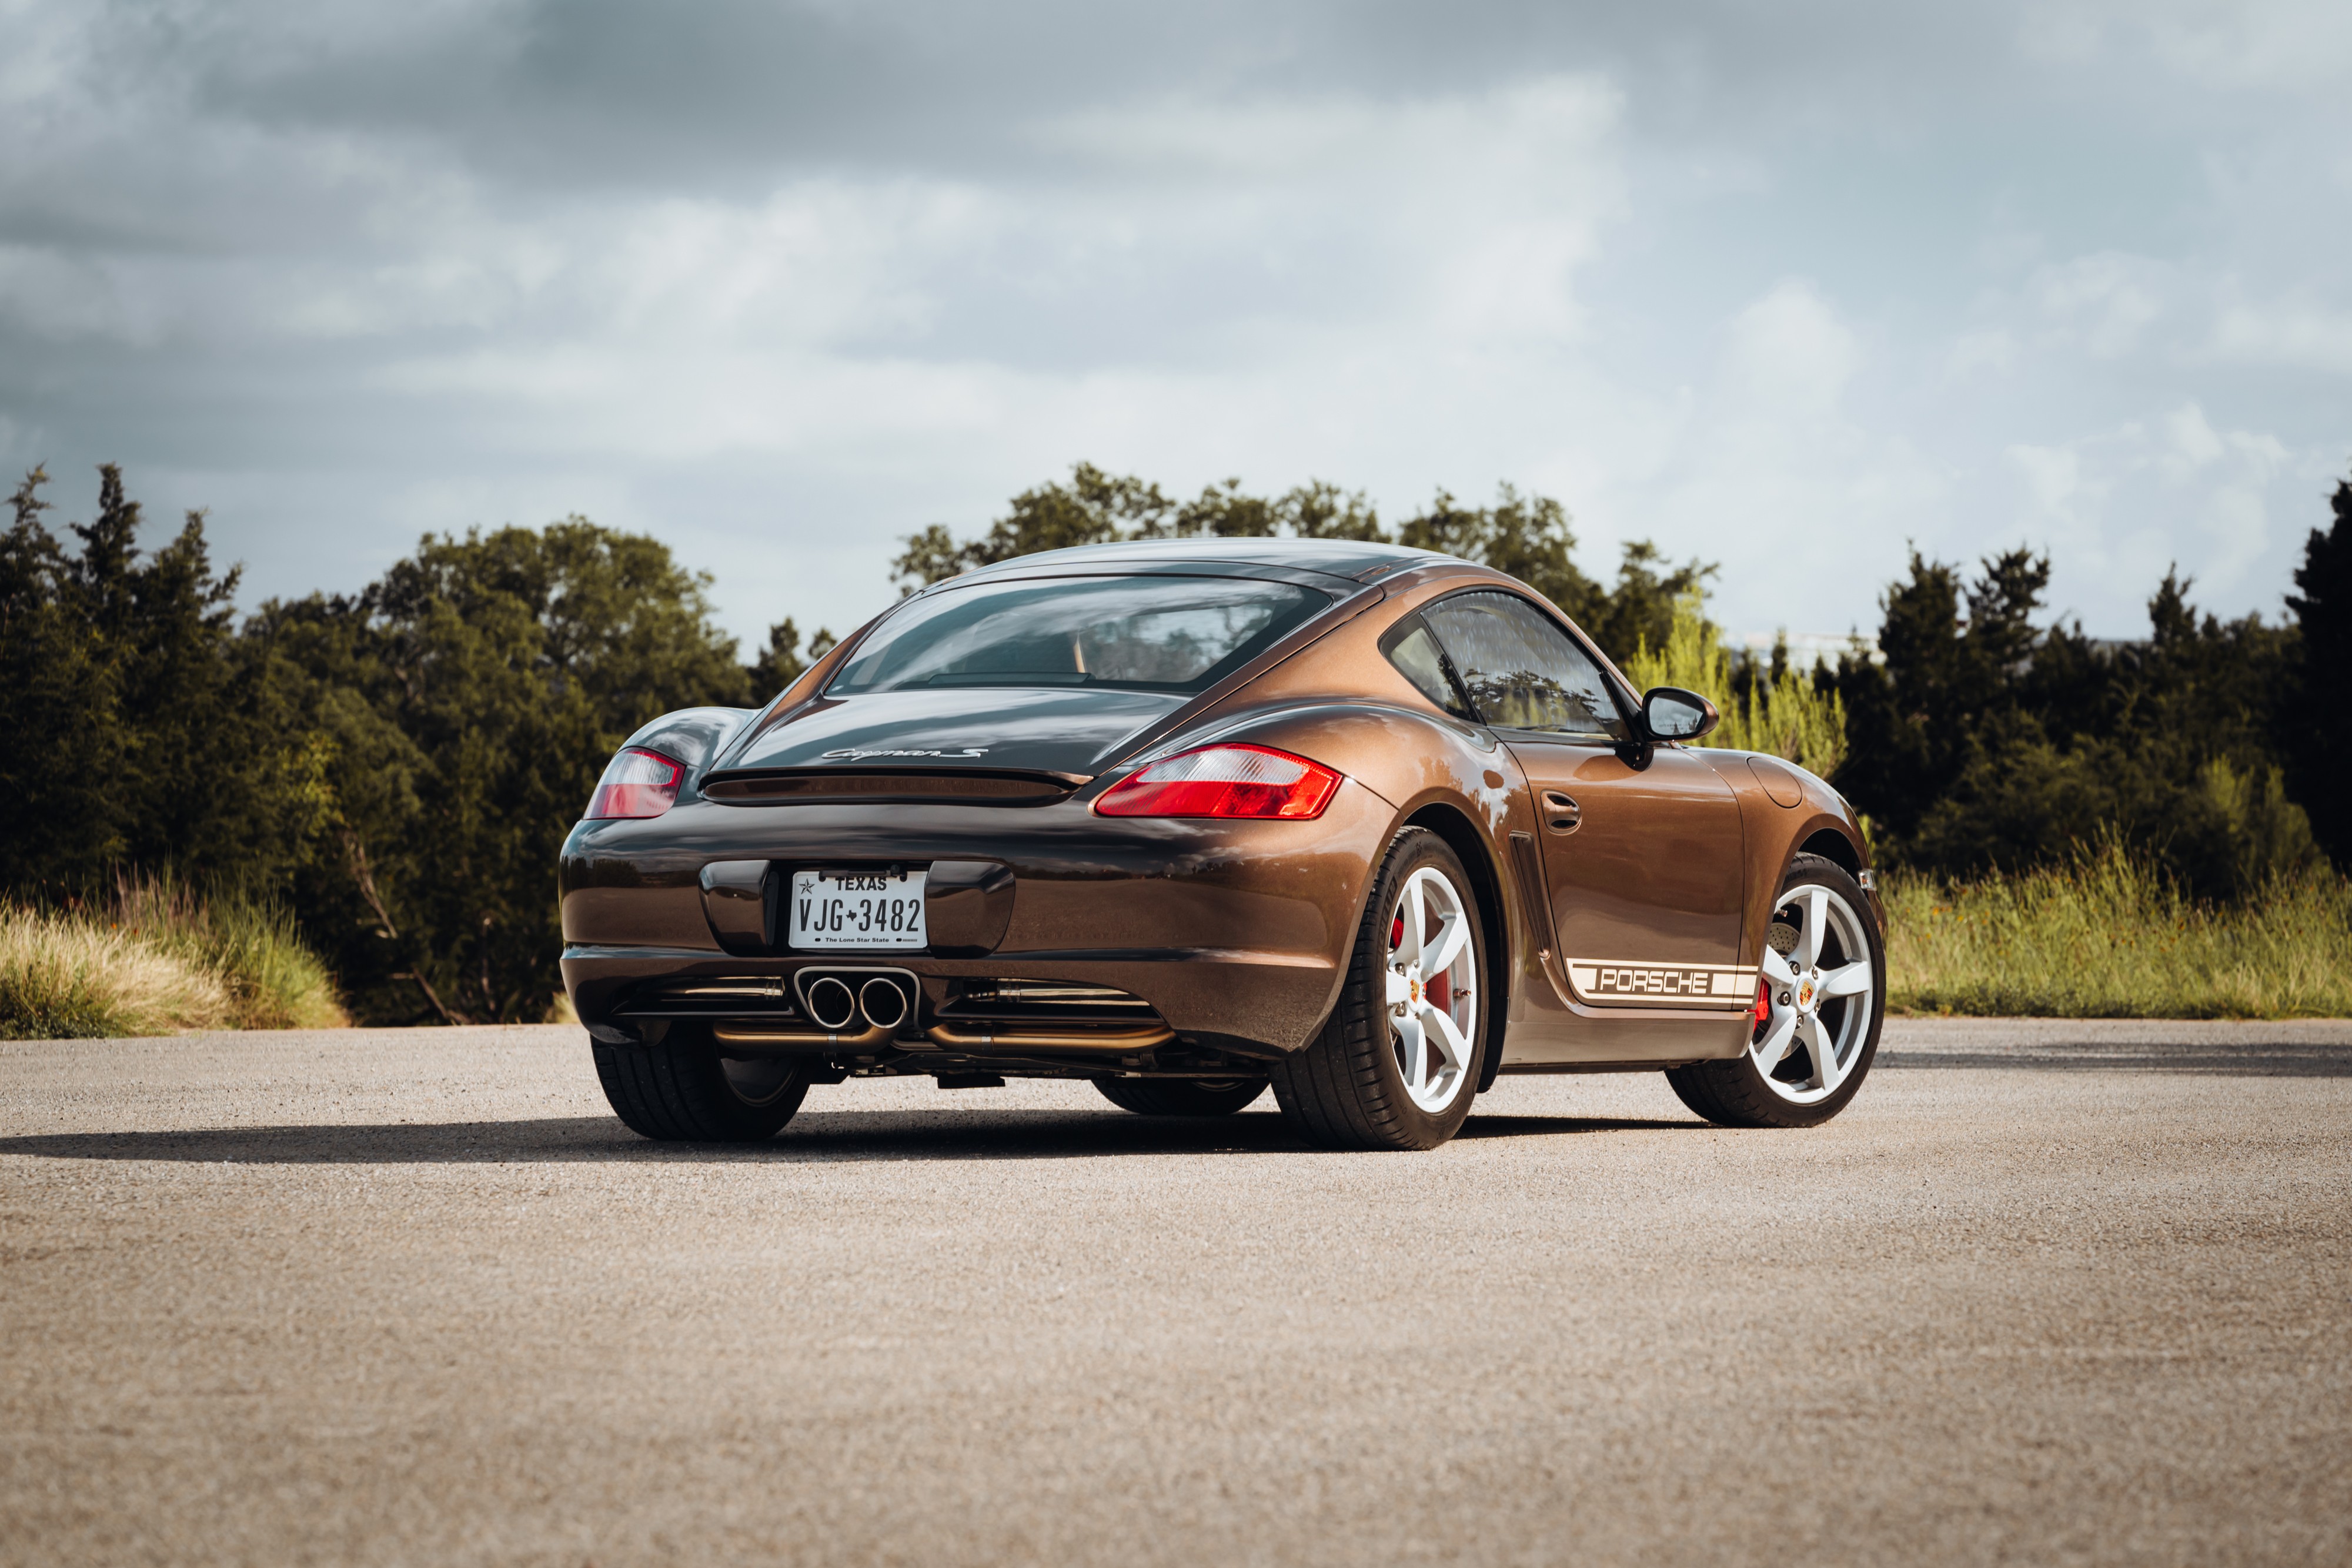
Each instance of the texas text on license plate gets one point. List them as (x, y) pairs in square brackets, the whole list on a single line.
[(858, 909)]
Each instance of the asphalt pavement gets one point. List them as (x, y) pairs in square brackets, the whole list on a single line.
[(2046, 1293)]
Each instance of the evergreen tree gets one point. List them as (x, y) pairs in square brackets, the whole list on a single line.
[(56, 704), (2317, 724), (1983, 741), (154, 752)]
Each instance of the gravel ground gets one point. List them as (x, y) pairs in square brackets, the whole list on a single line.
[(2047, 1293)]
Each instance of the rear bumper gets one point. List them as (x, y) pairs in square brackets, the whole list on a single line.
[(1236, 933), (1219, 998)]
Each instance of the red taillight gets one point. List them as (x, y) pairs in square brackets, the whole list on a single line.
[(1223, 781), (635, 784)]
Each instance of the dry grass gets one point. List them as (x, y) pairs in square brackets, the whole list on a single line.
[(63, 977), (2110, 937), (158, 959)]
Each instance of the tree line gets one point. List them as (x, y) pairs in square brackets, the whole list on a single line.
[(1526, 535), (1977, 736), (399, 764)]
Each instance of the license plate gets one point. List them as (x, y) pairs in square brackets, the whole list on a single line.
[(858, 909)]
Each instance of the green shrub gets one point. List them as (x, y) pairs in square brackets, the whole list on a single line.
[(1785, 715), (2112, 935), (249, 942)]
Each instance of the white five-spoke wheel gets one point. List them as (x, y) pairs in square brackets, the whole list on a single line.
[(1821, 1000), (1820, 995), (1396, 1063), (1431, 986)]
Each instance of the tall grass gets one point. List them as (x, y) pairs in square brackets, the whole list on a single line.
[(156, 957), (2112, 936), (1786, 714)]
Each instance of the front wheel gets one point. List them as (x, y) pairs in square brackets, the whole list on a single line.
[(1821, 1000), (683, 1089)]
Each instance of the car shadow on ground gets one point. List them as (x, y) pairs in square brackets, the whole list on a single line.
[(2263, 1059), (943, 1135)]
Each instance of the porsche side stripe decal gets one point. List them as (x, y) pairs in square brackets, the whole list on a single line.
[(1676, 984)]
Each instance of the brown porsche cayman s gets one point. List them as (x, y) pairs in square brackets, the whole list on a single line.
[(1365, 823)]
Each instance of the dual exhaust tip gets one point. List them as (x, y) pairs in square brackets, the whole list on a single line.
[(837, 1002)]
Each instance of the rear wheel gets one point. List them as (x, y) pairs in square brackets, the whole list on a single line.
[(683, 1090), (1821, 1002), (1396, 1064), (1180, 1096)]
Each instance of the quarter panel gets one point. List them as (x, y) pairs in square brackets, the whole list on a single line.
[(1409, 761), (692, 736)]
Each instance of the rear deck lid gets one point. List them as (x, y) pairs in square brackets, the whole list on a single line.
[(1066, 734)]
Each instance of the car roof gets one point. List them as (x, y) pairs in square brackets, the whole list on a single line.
[(1355, 559)]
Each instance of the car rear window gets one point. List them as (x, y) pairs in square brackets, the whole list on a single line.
[(1147, 633)]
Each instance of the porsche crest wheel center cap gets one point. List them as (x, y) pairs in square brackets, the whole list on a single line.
[(1807, 990)]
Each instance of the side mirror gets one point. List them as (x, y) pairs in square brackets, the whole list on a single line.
[(1670, 713)]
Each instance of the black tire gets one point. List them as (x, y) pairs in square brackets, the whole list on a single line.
[(1346, 1089), (1734, 1093), (1180, 1096), (684, 1091)]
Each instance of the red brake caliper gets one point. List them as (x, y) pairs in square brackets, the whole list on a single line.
[(1438, 988), (1762, 1011)]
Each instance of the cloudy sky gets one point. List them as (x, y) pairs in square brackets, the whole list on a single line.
[(1782, 285)]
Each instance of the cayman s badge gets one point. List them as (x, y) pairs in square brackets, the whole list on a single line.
[(851, 754)]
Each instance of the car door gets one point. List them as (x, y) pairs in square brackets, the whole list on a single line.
[(1642, 847)]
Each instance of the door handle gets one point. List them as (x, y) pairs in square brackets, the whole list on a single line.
[(1561, 814)]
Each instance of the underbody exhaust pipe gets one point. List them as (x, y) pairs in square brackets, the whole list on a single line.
[(880, 999), (831, 1003), (854, 1005)]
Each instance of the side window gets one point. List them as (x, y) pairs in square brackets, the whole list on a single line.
[(1416, 655), (1522, 671)]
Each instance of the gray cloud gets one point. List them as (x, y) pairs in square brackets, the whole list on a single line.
[(1784, 286)]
